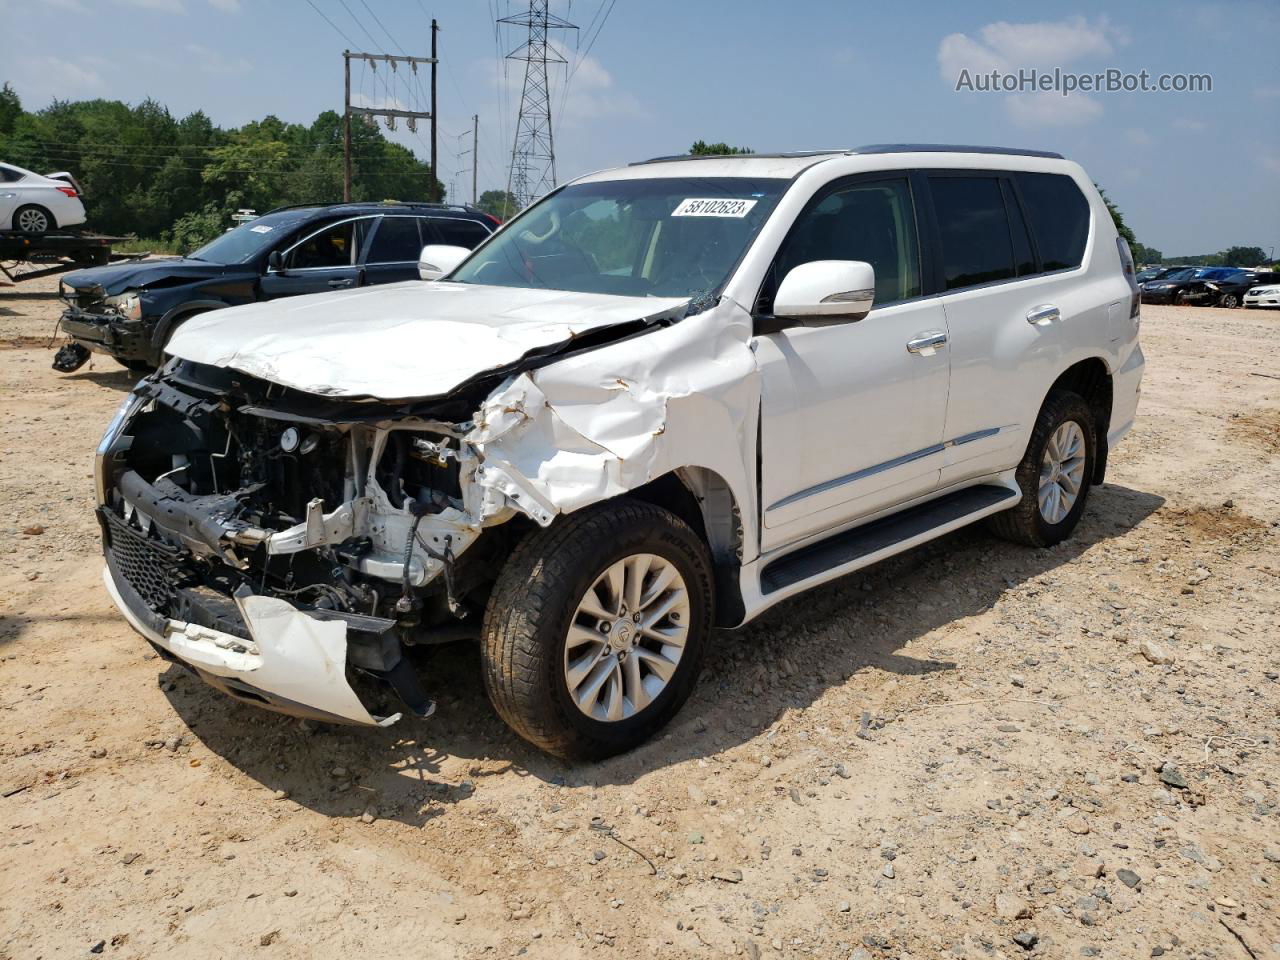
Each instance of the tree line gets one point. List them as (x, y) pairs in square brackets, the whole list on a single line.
[(178, 180)]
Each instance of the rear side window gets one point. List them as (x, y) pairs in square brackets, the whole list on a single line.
[(459, 233), (1059, 216), (974, 230), (397, 241), (8, 175)]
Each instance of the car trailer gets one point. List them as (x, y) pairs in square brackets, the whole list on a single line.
[(54, 253)]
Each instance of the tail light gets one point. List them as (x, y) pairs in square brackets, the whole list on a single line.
[(69, 191), (1126, 264)]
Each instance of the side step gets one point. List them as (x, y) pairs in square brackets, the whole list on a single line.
[(900, 530)]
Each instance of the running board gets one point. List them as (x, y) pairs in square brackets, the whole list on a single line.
[(885, 537)]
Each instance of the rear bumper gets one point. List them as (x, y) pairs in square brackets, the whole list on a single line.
[(104, 333), (293, 663), (1126, 388)]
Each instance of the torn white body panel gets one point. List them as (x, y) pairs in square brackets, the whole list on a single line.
[(292, 656), (402, 340), (597, 425)]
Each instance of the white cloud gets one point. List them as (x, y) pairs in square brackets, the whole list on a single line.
[(226, 6), (211, 61), (1138, 137), (1190, 125), (1267, 93), (591, 94), (54, 77), (358, 99), (1009, 47), (1270, 162)]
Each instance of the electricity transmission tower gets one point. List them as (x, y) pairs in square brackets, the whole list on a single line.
[(533, 155)]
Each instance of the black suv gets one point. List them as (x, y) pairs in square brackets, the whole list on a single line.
[(130, 310)]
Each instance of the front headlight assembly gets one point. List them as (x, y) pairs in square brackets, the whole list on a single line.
[(128, 305)]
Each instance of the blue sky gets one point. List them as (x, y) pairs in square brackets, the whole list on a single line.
[(1193, 172)]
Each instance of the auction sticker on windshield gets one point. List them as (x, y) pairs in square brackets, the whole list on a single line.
[(713, 208)]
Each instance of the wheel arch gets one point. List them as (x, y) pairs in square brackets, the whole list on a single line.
[(1090, 379), (703, 499)]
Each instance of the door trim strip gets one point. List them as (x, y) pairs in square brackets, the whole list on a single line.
[(881, 467)]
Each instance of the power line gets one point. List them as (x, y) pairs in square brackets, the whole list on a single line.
[(341, 33)]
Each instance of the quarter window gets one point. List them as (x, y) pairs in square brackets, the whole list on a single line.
[(870, 221), (459, 233), (973, 229), (9, 175), (1059, 216), (396, 241)]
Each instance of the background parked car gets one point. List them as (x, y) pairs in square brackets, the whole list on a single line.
[(1187, 285), (31, 203), (1231, 290), (129, 311), (1266, 294)]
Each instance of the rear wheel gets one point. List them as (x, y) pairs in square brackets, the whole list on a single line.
[(33, 219), (595, 630), (1054, 475)]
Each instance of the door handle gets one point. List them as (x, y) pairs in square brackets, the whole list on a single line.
[(927, 343), (341, 283), (1043, 314)]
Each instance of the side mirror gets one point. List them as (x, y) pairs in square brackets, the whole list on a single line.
[(826, 291), (438, 260), (275, 262)]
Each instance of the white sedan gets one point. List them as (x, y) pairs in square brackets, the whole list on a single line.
[(1264, 296), (31, 203)]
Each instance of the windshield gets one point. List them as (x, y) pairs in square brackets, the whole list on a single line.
[(669, 237), (249, 239), (1184, 274)]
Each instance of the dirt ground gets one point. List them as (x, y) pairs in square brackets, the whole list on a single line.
[(974, 750)]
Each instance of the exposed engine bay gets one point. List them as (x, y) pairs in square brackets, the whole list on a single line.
[(218, 490)]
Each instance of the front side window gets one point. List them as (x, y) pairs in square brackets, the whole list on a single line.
[(1059, 216), (396, 241), (336, 246), (870, 221), (659, 237), (974, 230)]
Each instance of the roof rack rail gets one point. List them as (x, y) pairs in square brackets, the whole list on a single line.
[(953, 148), (374, 203), (791, 155)]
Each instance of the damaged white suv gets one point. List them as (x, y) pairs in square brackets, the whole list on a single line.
[(660, 400)]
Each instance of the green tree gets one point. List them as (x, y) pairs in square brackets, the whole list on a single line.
[(499, 203), (10, 109), (701, 148), (1117, 217), (1144, 254), (1244, 256)]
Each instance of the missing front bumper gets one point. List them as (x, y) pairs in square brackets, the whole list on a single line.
[(290, 661)]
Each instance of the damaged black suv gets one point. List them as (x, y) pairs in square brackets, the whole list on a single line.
[(131, 310)]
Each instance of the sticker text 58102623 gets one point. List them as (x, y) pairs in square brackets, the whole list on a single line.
[(714, 207)]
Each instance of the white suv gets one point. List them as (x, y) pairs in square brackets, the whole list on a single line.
[(660, 400)]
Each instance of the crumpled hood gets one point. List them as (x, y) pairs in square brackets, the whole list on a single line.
[(403, 340), (117, 278)]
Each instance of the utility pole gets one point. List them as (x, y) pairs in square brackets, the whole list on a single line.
[(475, 153), (390, 115), (533, 155), (435, 28), (346, 127)]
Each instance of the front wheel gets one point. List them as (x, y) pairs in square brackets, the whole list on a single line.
[(1229, 300), (1054, 474), (595, 630)]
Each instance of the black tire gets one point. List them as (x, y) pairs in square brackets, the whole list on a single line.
[(1229, 300), (1181, 298), (33, 218), (527, 620), (138, 366), (1025, 523)]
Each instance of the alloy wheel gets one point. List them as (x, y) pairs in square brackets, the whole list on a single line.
[(33, 221), (626, 637), (1062, 472)]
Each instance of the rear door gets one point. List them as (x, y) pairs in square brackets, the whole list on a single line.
[(1010, 248), (328, 258), (9, 195), (394, 249)]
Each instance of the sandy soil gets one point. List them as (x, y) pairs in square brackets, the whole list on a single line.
[(965, 752)]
